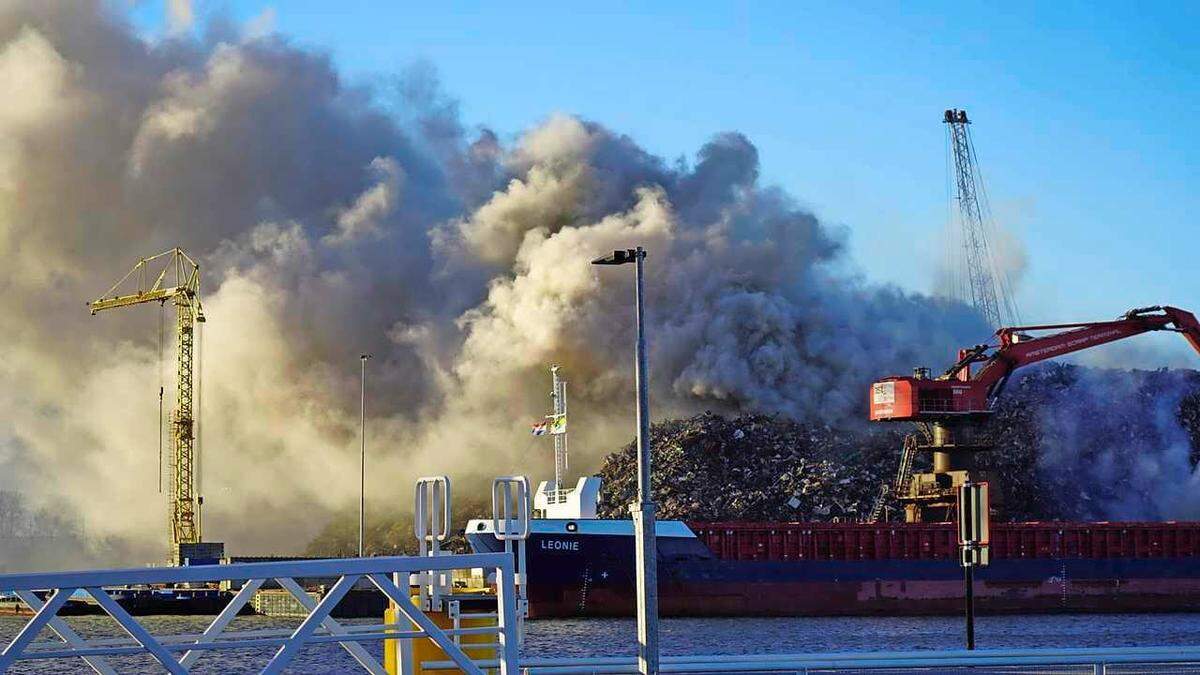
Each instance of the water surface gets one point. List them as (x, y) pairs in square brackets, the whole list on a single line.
[(613, 637)]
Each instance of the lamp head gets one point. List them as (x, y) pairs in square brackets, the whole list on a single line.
[(620, 257)]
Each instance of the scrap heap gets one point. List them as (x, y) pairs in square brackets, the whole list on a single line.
[(755, 467), (759, 467)]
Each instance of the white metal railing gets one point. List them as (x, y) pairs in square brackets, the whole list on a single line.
[(317, 626), (432, 518), (1014, 661), (510, 523), (431, 526)]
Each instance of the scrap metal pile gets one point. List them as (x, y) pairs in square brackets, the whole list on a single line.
[(1052, 429), (755, 467)]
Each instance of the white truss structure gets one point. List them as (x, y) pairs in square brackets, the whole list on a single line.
[(177, 653)]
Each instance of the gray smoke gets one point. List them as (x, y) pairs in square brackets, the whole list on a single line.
[(331, 220), (1113, 445)]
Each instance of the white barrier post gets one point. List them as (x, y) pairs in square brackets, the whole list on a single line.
[(507, 528), (431, 525)]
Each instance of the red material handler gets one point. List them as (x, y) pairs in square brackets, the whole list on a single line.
[(959, 392)]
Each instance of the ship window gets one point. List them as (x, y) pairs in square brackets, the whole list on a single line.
[(572, 527), (480, 527)]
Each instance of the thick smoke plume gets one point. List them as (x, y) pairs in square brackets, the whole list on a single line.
[(332, 220)]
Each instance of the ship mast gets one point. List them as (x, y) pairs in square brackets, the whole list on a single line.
[(557, 499), (558, 428)]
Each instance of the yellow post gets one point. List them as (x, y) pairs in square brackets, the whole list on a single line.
[(425, 650), (391, 648)]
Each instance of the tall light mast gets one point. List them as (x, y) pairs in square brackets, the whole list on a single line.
[(980, 281), (178, 282)]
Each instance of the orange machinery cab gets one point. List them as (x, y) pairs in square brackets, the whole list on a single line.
[(911, 398)]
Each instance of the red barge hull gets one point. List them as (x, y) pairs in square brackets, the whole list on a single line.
[(585, 568)]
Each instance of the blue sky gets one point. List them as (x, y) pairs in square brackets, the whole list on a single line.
[(1085, 113)]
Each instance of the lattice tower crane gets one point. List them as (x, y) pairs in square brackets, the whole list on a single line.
[(980, 281), (177, 282)]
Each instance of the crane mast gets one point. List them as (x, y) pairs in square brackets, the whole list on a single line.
[(983, 284), (177, 282)]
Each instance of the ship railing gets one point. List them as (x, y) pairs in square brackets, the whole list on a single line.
[(1100, 661), (178, 653)]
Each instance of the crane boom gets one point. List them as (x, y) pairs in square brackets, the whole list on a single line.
[(1016, 353), (185, 295), (959, 391), (160, 295)]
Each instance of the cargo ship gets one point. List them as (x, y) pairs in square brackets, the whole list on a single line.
[(583, 567), (580, 565)]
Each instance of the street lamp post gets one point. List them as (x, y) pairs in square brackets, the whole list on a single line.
[(643, 509), (362, 455)]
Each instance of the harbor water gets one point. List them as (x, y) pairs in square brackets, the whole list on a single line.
[(615, 637)]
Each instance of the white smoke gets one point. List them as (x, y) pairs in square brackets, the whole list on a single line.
[(329, 225), (1008, 256)]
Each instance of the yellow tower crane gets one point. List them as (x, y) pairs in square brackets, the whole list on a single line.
[(141, 286)]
